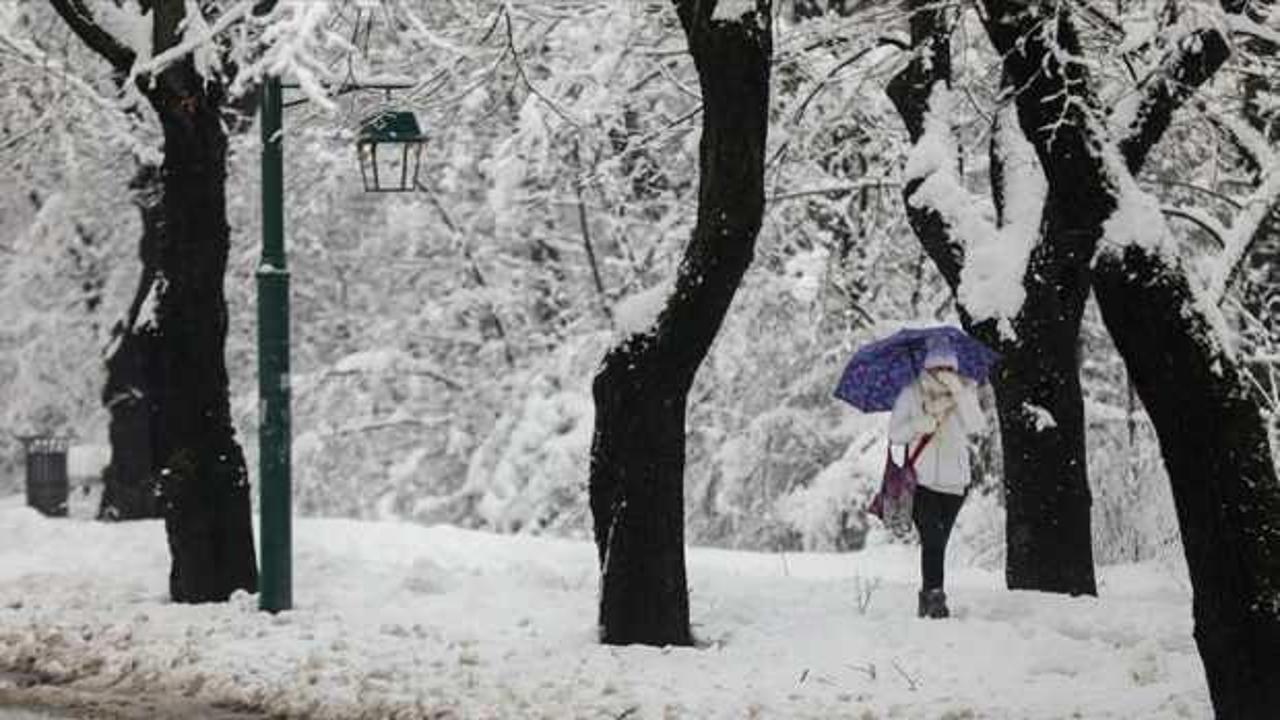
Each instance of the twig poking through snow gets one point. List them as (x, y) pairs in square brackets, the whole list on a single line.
[(869, 670), (864, 590), (911, 682)]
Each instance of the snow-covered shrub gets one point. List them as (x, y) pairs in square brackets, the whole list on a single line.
[(531, 467), (828, 511)]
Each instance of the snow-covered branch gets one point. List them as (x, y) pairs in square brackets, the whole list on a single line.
[(1245, 25), (1205, 221), (94, 23), (197, 38), (21, 51), (992, 280), (1246, 138), (1245, 229), (1142, 118), (294, 36), (934, 162)]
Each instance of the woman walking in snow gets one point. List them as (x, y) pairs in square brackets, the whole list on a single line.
[(933, 417)]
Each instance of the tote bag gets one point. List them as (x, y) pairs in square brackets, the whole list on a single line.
[(893, 502)]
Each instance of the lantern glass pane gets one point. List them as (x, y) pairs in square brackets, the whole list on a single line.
[(416, 159), (365, 152), (404, 168), (389, 167)]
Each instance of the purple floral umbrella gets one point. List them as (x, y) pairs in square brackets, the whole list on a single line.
[(877, 372)]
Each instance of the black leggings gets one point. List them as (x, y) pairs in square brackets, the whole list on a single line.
[(935, 514)]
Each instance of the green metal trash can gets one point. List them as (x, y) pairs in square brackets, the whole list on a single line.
[(47, 484)]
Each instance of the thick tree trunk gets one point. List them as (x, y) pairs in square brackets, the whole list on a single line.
[(1038, 395), (1052, 101), (637, 454), (1215, 447), (203, 479), (204, 484), (1055, 102), (637, 502), (1040, 402), (129, 490), (1212, 435), (1048, 525), (1211, 432)]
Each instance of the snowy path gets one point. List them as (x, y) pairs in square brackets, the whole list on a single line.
[(405, 621), (27, 711), (55, 702)]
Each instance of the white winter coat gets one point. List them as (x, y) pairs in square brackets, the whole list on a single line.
[(943, 466)]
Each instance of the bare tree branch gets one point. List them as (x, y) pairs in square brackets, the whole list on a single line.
[(1194, 60), (82, 22)]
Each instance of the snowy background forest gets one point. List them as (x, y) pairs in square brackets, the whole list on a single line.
[(444, 342)]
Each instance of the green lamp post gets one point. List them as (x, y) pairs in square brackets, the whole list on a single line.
[(274, 432), (389, 146)]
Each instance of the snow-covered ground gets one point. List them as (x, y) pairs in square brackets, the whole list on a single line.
[(398, 620)]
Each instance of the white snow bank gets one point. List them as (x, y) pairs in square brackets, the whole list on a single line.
[(406, 621)]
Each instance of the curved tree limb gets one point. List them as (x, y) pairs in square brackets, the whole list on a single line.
[(1193, 62), (87, 28)]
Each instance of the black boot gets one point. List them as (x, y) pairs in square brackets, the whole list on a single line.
[(933, 604)]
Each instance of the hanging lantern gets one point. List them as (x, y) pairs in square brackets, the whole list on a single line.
[(390, 148)]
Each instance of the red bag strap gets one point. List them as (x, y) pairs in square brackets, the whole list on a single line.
[(912, 457)]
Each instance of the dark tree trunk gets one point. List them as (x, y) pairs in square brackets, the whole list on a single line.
[(1052, 512), (1212, 435), (1052, 101), (129, 490), (637, 503), (637, 453), (203, 479), (1048, 523), (1216, 451), (1048, 504), (1211, 432)]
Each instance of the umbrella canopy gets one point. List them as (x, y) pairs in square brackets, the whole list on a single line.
[(877, 372)]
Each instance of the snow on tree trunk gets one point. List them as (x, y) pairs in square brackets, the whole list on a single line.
[(641, 390)]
